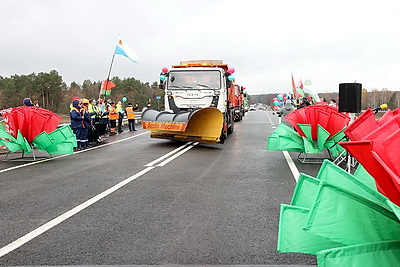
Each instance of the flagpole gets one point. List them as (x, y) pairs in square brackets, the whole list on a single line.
[(108, 76)]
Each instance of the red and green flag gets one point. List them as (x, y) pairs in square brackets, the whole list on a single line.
[(106, 87)]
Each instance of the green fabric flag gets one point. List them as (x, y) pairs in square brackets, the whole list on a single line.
[(60, 141), (42, 141), (339, 136), (333, 174), (307, 130), (291, 236), (12, 146), (284, 138), (309, 146), (305, 191), (365, 177), (8, 140), (332, 147), (25, 146), (349, 219), (386, 253), (61, 148), (283, 143), (323, 135)]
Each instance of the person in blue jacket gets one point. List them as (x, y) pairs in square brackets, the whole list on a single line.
[(87, 123), (79, 124)]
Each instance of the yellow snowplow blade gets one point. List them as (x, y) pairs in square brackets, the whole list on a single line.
[(202, 125)]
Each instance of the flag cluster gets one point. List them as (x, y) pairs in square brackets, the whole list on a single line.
[(26, 126), (342, 219), (316, 127)]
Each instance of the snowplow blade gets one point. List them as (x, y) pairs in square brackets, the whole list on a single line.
[(201, 125)]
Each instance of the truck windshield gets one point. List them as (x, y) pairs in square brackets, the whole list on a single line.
[(189, 79)]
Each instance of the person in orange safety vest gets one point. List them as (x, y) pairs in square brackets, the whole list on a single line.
[(130, 114), (112, 117)]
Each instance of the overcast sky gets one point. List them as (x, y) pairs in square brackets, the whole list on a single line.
[(327, 42)]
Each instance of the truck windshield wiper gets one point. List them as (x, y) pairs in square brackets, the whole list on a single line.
[(175, 86), (204, 85), (190, 87)]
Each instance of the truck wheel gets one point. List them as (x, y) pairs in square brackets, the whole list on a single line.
[(232, 128), (223, 137)]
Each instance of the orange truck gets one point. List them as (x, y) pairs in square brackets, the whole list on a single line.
[(238, 102), (199, 103)]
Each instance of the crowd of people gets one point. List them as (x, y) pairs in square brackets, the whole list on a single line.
[(93, 120)]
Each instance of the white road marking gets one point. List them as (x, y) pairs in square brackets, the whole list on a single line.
[(292, 166), (177, 154), (61, 156), (42, 229), (167, 155), (47, 226)]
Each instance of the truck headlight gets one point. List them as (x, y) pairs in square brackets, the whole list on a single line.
[(217, 92)]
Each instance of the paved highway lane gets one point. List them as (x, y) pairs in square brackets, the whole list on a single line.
[(167, 203)]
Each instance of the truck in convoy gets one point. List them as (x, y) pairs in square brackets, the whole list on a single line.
[(238, 103), (199, 103)]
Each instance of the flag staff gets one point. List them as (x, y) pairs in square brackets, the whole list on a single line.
[(108, 77)]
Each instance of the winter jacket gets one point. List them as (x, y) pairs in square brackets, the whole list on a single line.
[(287, 108), (76, 116)]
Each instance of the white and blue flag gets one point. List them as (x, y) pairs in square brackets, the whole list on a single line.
[(124, 50)]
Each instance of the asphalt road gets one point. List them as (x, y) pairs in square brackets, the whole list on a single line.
[(140, 201)]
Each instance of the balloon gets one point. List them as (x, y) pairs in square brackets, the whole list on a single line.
[(163, 77), (276, 103), (275, 98), (231, 70), (280, 97), (164, 70), (124, 99), (285, 98), (231, 77)]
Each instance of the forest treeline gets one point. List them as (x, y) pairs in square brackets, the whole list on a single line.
[(369, 98), (49, 91)]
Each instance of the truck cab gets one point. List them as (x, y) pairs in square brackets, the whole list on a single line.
[(192, 88)]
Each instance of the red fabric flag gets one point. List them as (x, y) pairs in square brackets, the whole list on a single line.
[(300, 84), (106, 87), (294, 86)]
